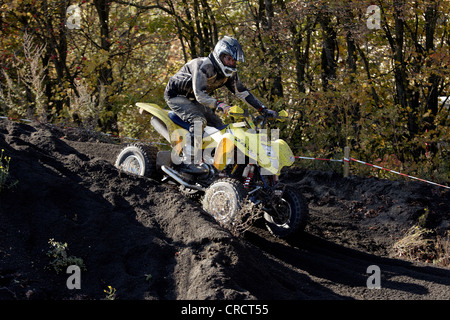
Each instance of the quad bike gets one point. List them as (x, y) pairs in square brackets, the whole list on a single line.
[(236, 162)]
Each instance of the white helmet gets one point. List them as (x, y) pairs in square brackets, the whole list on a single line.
[(231, 46)]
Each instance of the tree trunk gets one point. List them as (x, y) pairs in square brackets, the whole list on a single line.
[(105, 75), (329, 47), (431, 15)]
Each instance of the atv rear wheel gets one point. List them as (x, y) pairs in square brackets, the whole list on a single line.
[(223, 199), (138, 159), (288, 215)]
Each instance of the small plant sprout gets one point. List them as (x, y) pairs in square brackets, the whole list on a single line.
[(60, 258), (5, 179), (110, 293)]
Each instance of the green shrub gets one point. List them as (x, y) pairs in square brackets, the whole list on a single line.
[(60, 258), (5, 178)]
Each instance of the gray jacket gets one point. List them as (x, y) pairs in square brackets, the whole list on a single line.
[(198, 78)]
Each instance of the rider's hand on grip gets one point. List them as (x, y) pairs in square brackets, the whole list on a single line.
[(271, 114), (223, 107)]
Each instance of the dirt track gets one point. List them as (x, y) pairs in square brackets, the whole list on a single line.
[(149, 242)]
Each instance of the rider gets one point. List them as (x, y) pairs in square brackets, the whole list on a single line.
[(188, 91)]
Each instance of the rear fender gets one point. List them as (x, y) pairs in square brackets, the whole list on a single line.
[(175, 132), (158, 112)]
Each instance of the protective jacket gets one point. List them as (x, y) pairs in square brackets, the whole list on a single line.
[(198, 78)]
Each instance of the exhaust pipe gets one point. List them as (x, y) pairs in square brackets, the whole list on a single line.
[(174, 175)]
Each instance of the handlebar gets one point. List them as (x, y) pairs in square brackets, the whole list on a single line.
[(260, 119), (265, 118)]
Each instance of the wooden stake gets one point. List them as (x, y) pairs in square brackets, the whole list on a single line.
[(346, 163)]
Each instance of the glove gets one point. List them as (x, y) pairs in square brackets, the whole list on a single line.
[(268, 113), (223, 107)]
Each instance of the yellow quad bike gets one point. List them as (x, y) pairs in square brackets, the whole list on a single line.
[(235, 163)]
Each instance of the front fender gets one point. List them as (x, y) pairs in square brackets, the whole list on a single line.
[(271, 156), (283, 153), (224, 151)]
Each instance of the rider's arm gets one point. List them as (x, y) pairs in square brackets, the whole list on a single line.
[(200, 77), (239, 90)]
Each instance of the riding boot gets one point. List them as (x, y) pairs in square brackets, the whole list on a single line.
[(193, 149)]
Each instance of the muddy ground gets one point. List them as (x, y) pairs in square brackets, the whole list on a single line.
[(147, 241)]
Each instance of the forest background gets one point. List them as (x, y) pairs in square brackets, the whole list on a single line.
[(371, 75)]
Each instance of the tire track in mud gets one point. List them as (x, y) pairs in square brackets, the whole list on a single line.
[(333, 271)]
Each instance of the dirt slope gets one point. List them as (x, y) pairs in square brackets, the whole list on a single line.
[(149, 242)]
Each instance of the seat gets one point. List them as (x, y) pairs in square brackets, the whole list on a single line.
[(175, 118)]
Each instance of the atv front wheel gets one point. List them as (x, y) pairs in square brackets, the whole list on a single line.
[(288, 215), (223, 199), (138, 159)]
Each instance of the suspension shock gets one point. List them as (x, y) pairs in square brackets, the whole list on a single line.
[(248, 174), (274, 180)]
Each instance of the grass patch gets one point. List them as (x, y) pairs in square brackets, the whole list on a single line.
[(421, 244)]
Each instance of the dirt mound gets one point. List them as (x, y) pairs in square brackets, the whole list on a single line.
[(370, 214), (147, 241)]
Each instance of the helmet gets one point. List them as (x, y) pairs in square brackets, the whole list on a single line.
[(231, 46)]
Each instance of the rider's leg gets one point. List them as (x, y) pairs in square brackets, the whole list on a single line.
[(192, 112), (196, 135), (189, 111), (198, 116), (185, 108)]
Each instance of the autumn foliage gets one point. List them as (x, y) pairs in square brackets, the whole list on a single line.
[(372, 75)]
